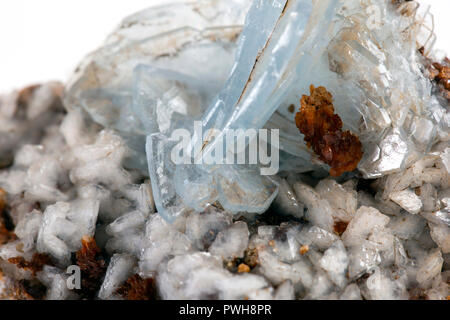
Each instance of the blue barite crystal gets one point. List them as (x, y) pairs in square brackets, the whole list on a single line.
[(167, 67)]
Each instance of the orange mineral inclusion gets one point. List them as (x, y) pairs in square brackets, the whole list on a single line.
[(341, 150)]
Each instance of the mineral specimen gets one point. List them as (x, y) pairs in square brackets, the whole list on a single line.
[(323, 132), (35, 265), (357, 207), (136, 288)]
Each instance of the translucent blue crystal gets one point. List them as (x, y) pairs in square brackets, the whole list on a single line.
[(195, 186), (164, 38), (162, 171), (244, 189), (155, 76), (280, 67)]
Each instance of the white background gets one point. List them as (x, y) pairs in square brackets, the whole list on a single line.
[(45, 39)]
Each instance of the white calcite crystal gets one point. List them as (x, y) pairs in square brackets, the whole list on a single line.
[(231, 242), (161, 241), (88, 178), (445, 156), (287, 202), (381, 287), (408, 200), (351, 292), (200, 276), (344, 202), (430, 267), (335, 262), (120, 268), (62, 225), (366, 221)]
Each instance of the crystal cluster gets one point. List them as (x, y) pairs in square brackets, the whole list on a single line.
[(88, 177)]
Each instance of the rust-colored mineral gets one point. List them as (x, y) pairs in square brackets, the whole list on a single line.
[(92, 266), (304, 250), (340, 227), (6, 233), (243, 268), (21, 289), (439, 74), (251, 257), (25, 96), (342, 150), (137, 288), (36, 264)]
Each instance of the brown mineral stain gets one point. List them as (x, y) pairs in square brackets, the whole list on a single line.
[(230, 264), (442, 76), (251, 257), (92, 266), (340, 227), (36, 264), (272, 243), (291, 108), (137, 288), (6, 233), (24, 290), (25, 97), (322, 129), (418, 294), (243, 268), (404, 10), (418, 191), (3, 201), (26, 94), (304, 249), (439, 74)]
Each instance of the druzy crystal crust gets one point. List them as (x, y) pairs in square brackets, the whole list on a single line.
[(357, 110)]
